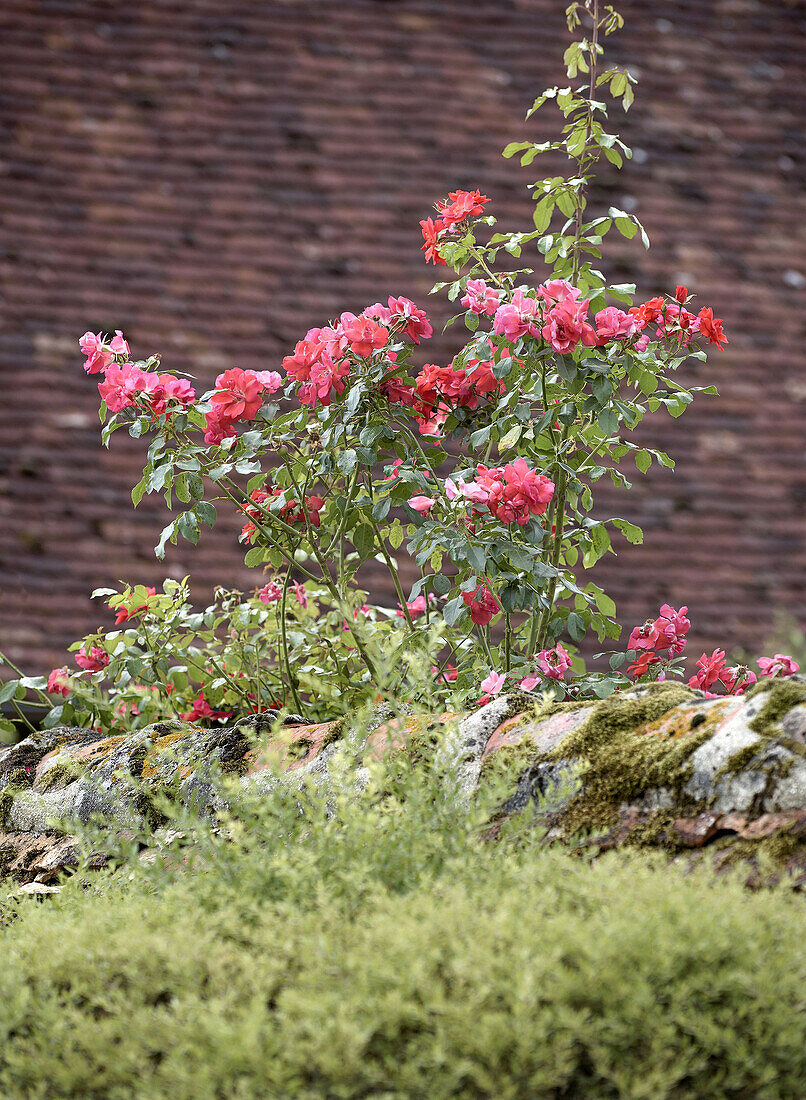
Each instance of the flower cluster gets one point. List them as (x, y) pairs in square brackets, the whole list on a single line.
[(290, 511), (512, 493), (713, 670), (101, 353), (667, 634), (128, 387), (454, 213), (200, 708), (95, 661), (238, 396), (552, 663)]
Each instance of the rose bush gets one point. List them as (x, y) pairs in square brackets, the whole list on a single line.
[(483, 467)]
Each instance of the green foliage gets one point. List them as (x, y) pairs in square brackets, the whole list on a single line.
[(382, 948)]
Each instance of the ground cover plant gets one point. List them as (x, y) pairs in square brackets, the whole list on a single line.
[(485, 468), (369, 941)]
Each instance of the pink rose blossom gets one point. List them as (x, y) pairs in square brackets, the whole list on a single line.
[(493, 683), (96, 660), (709, 670), (461, 205), (270, 380), (529, 683), (779, 665), (668, 631), (378, 312), (554, 663), (301, 594), (517, 318), (482, 603), (565, 326), (615, 324), (481, 298), (238, 394), (415, 607), (122, 385), (417, 326), (219, 426), (306, 353), (363, 334), (58, 682), (270, 593), (168, 390), (201, 709), (422, 504), (737, 679), (101, 355), (556, 291), (326, 379)]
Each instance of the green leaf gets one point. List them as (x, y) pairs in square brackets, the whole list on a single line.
[(441, 584), (347, 461), (138, 491), (196, 486), (543, 212), (188, 527), (643, 460), (605, 604), (396, 535), (254, 556), (648, 383), (576, 627), (476, 557), (363, 539), (510, 438), (452, 610), (206, 512), (167, 533), (632, 533), (8, 690)]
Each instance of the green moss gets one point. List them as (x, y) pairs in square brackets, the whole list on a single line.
[(739, 761), (782, 696), (6, 802), (60, 774), (622, 714), (19, 779), (506, 764), (626, 757), (773, 852)]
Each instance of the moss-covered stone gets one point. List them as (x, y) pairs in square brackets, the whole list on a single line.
[(781, 696), (626, 753)]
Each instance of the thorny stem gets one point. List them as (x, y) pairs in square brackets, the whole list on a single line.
[(559, 504), (586, 160), (292, 680), (391, 567)]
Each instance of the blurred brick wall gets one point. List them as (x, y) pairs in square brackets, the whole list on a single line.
[(215, 178)]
